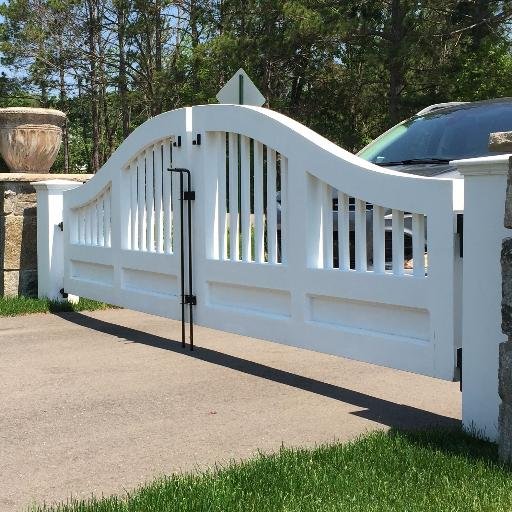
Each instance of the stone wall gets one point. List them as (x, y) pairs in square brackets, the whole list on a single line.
[(505, 353), (18, 231)]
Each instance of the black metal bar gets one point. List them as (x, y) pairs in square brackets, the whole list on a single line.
[(189, 298), (460, 232), (459, 366), (190, 272), (182, 265)]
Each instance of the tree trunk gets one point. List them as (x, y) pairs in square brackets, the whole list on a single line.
[(92, 22), (194, 32), (396, 66), (122, 79), (158, 56), (62, 104)]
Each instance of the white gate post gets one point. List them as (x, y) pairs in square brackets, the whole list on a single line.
[(485, 182), (50, 239)]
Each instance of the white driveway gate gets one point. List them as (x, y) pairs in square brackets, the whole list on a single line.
[(275, 212)]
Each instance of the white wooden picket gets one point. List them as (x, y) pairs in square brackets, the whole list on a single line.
[(289, 238)]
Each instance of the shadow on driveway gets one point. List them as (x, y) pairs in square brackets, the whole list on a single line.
[(376, 409)]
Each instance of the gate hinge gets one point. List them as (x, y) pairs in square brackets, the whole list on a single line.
[(459, 366), (189, 195), (460, 232), (197, 140), (60, 225), (177, 143), (63, 293), (191, 299)]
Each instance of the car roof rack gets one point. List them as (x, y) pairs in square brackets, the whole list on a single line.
[(439, 106)]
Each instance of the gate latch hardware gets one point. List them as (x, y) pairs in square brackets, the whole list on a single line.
[(459, 366), (60, 225), (460, 232), (186, 298), (177, 143), (197, 140)]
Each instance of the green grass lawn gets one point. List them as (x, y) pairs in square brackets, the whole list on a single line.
[(425, 471), (12, 306)]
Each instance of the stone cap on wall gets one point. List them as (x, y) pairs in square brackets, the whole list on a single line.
[(482, 166), (30, 177)]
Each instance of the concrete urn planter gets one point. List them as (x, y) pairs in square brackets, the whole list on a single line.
[(30, 138)]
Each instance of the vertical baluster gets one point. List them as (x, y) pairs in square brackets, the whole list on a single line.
[(94, 222), (360, 235), (327, 228), (157, 155), (398, 242), (221, 169), (101, 219), (128, 181), (418, 244), (150, 205), (284, 207), (271, 206), (108, 218), (166, 198), (245, 189), (99, 214), (141, 185), (343, 231), (259, 248), (175, 205), (85, 224), (80, 217), (134, 207), (379, 264), (233, 198), (88, 225)]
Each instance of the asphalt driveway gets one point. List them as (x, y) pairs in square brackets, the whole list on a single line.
[(102, 402)]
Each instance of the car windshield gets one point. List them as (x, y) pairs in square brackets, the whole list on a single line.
[(443, 135)]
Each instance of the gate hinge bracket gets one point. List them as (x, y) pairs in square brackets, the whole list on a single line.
[(177, 143), (191, 299), (459, 366), (60, 225), (197, 140), (63, 293), (189, 195), (460, 232)]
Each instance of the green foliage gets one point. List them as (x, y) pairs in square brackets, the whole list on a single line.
[(438, 471), (14, 306), (347, 69)]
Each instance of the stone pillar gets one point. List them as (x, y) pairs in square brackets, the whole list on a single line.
[(18, 231), (503, 142)]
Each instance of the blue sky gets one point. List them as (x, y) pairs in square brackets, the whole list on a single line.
[(2, 19)]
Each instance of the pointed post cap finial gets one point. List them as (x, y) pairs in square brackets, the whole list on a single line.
[(240, 89)]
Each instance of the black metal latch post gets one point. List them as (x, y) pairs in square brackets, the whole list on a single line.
[(190, 299), (460, 232), (459, 366)]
